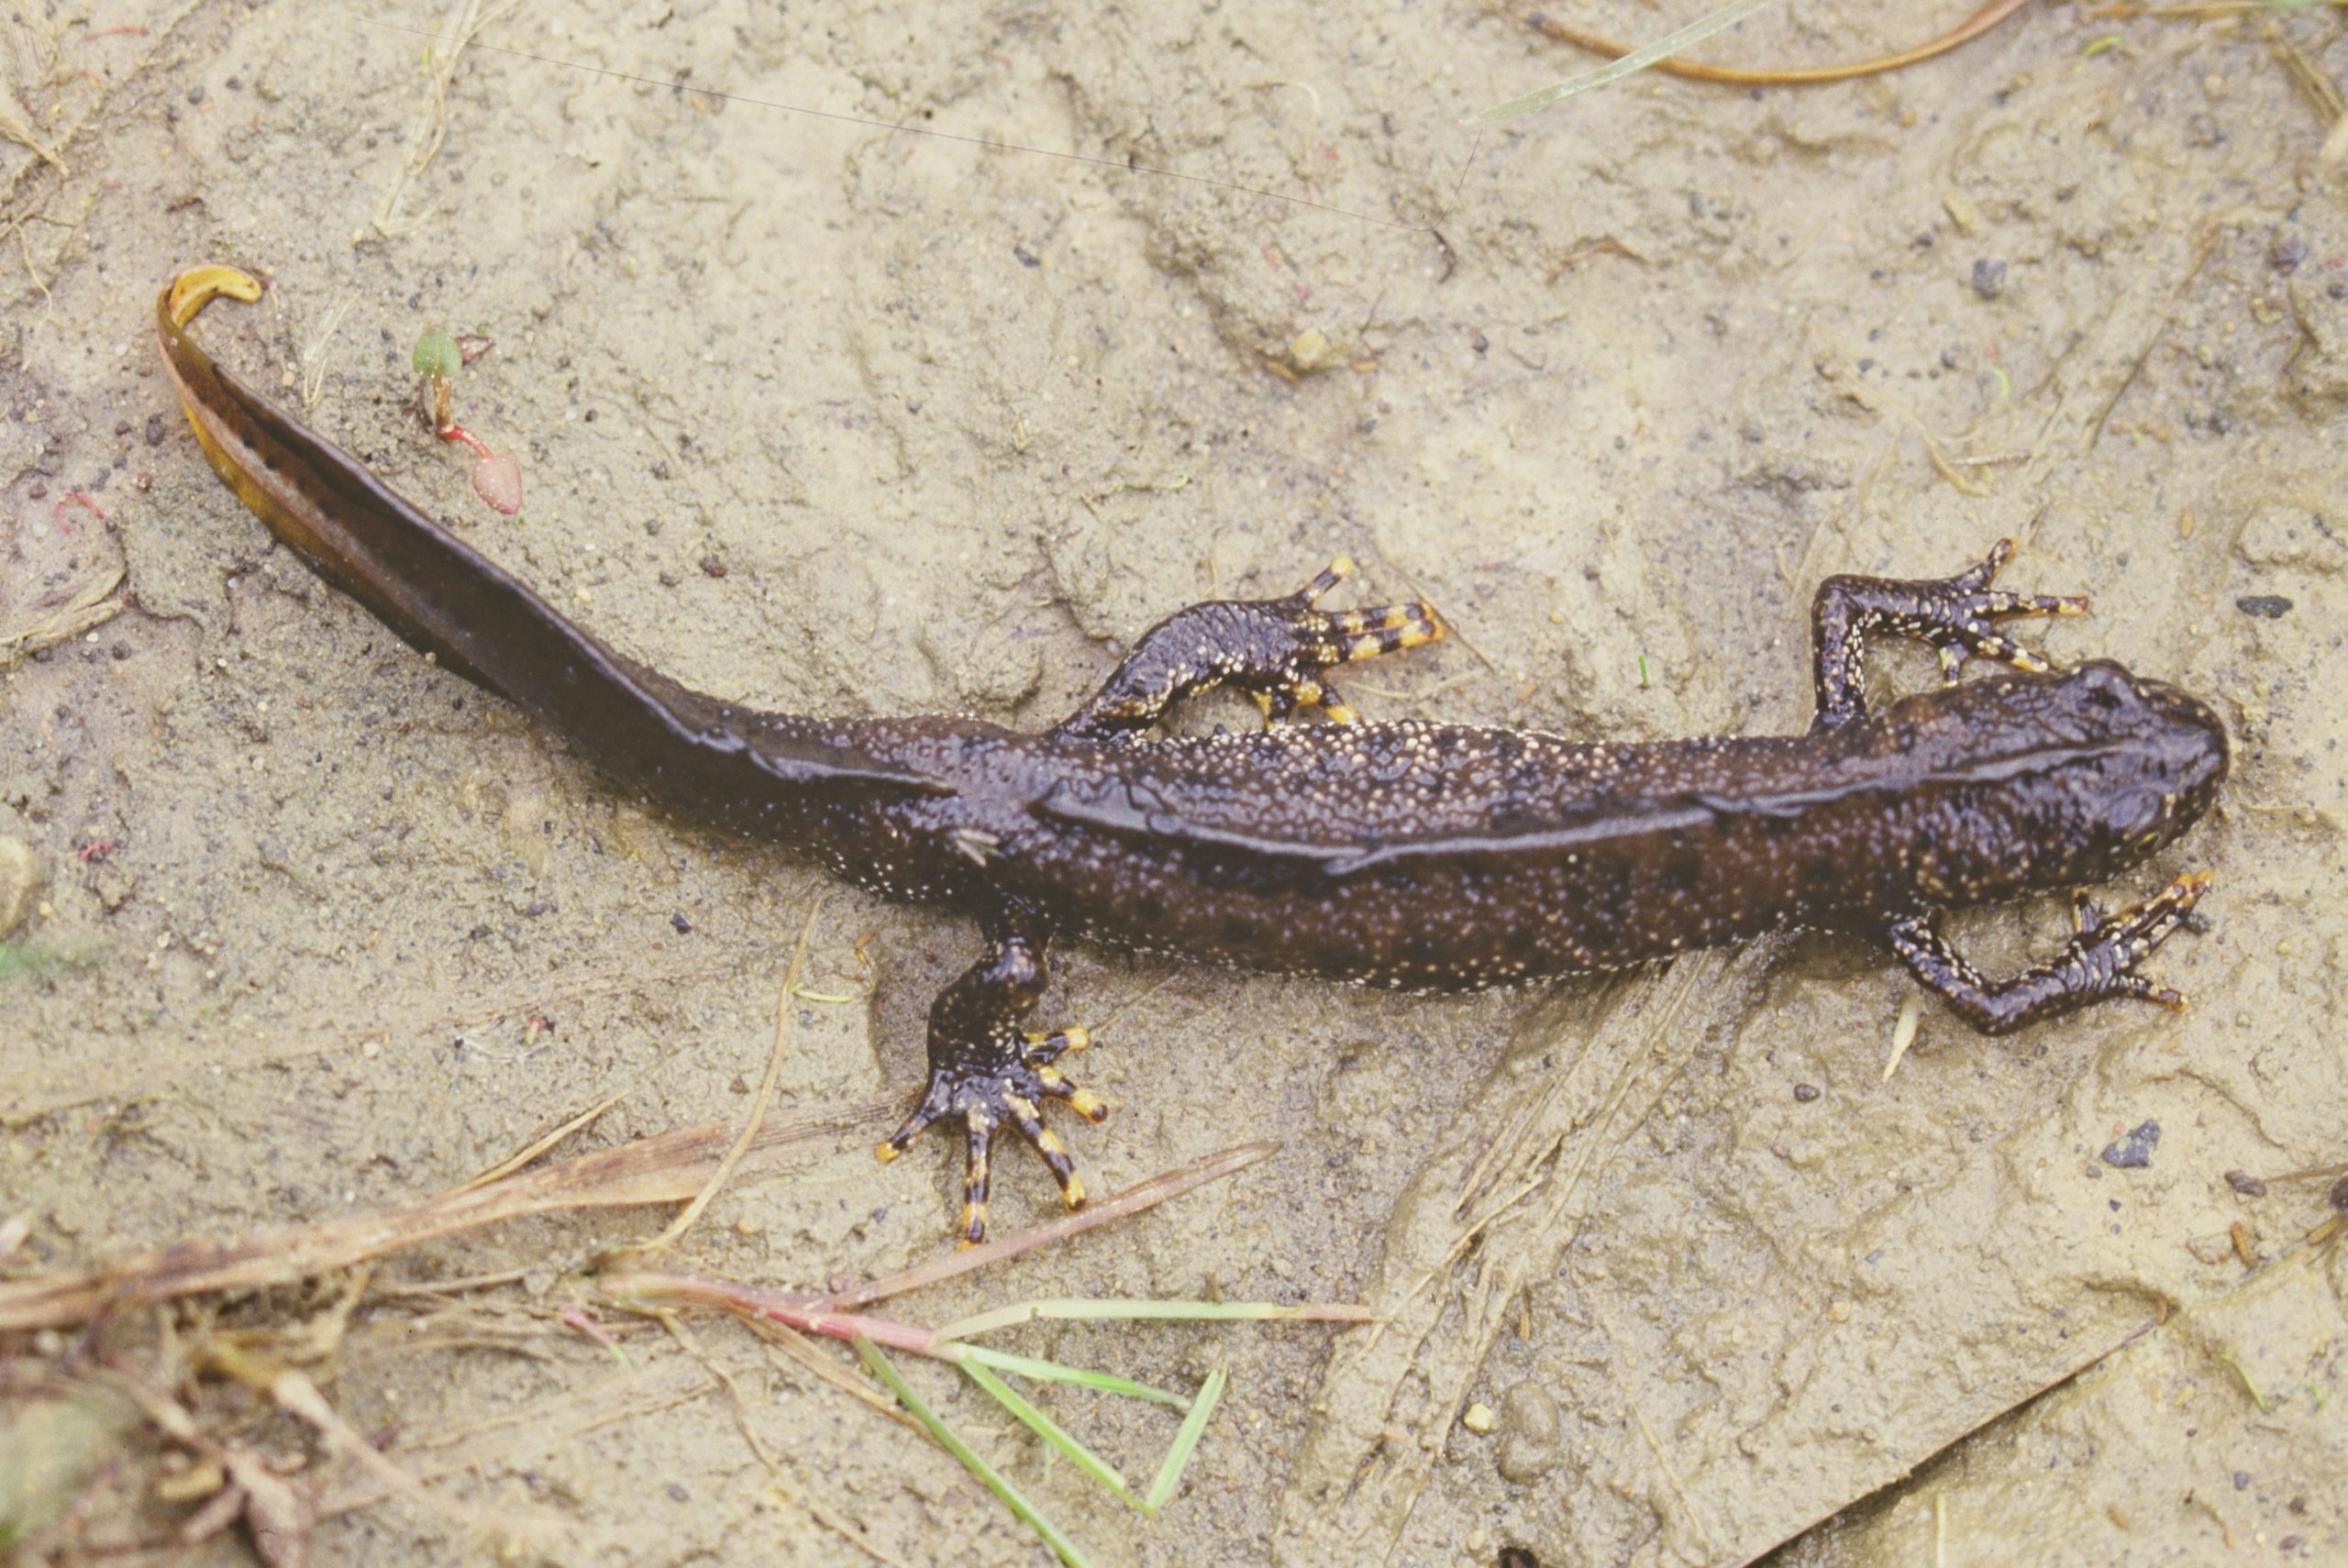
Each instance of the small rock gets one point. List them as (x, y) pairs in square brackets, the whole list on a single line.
[(2134, 1152), (2246, 1184), (2266, 606), (1312, 351), (1988, 278), (2291, 536), (1531, 1428), (1479, 1419), (19, 881), (1805, 1092)]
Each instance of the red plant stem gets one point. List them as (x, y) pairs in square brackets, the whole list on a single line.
[(454, 431), (58, 510)]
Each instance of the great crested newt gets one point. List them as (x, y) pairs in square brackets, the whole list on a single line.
[(1411, 855)]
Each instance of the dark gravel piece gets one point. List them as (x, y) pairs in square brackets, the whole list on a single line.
[(2134, 1152)]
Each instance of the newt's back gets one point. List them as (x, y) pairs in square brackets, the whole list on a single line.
[(1440, 857)]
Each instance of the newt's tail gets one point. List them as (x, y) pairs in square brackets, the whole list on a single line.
[(464, 611)]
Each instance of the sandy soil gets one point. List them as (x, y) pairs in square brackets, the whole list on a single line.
[(829, 417)]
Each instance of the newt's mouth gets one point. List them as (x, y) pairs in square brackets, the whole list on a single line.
[(2200, 753)]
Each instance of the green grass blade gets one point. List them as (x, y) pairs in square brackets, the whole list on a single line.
[(1091, 1309), (1638, 59), (1186, 1442), (1052, 1433), (1054, 1537), (1060, 1372)]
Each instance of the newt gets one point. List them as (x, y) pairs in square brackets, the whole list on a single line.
[(1412, 855)]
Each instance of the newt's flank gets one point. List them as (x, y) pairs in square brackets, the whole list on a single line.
[(1411, 855)]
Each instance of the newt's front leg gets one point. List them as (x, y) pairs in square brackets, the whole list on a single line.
[(1956, 614), (2099, 964), (988, 1072)]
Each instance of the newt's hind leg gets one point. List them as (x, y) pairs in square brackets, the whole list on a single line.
[(988, 1072), (2099, 964), (1274, 649), (1954, 614)]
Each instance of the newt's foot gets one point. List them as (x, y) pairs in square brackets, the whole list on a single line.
[(988, 1095), (1273, 649), (1955, 615), (2109, 947), (2098, 965), (1318, 640)]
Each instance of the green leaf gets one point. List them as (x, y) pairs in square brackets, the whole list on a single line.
[(1052, 1433), (1054, 1537), (1186, 1442), (436, 354), (1058, 1371)]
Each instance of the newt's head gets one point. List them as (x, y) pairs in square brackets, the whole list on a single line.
[(2148, 764), (2061, 778)]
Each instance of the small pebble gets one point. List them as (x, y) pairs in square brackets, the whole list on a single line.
[(19, 881), (2266, 606), (1805, 1092), (1988, 278), (2246, 1184), (1532, 1430), (1479, 1417), (2134, 1152)]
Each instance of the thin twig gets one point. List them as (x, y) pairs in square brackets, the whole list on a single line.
[(515, 1162), (1133, 1200), (693, 1211)]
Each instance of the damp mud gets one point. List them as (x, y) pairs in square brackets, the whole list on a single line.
[(825, 415)]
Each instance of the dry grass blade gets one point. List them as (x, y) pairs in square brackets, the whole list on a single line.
[(465, 19), (1972, 27), (676, 1227), (90, 606), (1133, 1200), (667, 1169), (1626, 62), (538, 1147)]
